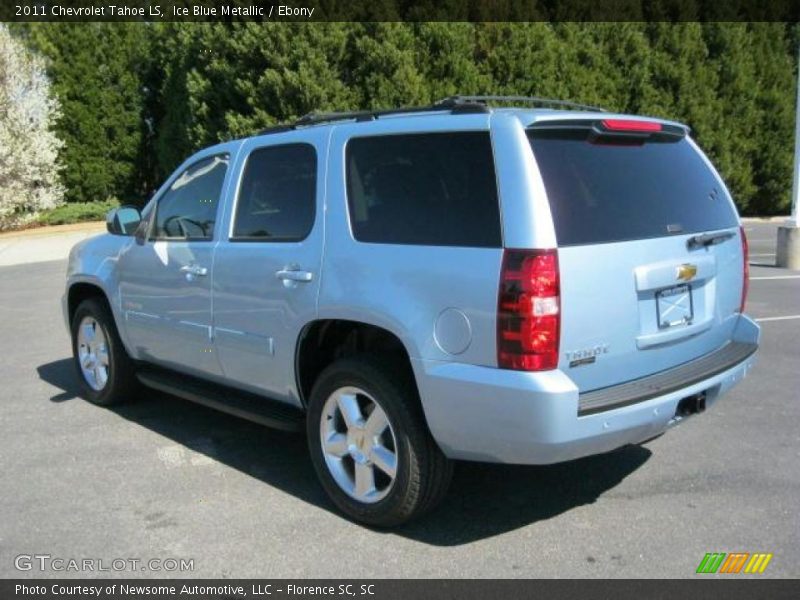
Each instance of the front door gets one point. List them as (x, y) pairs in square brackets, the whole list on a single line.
[(165, 279), (266, 276)]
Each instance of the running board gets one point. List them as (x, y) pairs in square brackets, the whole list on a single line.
[(258, 409)]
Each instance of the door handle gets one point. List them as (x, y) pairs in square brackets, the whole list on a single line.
[(195, 270), (294, 275)]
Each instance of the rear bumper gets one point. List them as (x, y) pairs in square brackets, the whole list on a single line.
[(493, 415)]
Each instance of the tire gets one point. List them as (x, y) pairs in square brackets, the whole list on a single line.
[(110, 376), (422, 473)]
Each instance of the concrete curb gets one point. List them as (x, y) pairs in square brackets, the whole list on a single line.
[(764, 219), (44, 244)]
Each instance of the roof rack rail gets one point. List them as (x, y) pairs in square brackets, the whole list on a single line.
[(315, 118), (472, 100), (280, 128)]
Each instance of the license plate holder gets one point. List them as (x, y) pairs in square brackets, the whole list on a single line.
[(674, 306)]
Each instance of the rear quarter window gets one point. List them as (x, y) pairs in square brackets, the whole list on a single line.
[(436, 189), (606, 190)]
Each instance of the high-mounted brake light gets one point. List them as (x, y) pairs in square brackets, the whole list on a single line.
[(745, 269), (528, 313), (631, 126)]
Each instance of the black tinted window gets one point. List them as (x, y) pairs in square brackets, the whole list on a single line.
[(434, 189), (278, 194), (188, 210), (606, 191)]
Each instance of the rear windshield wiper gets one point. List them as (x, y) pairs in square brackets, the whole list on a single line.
[(708, 239)]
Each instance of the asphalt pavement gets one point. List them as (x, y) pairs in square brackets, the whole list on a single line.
[(166, 479)]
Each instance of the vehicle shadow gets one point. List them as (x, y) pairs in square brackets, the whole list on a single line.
[(61, 375), (484, 500)]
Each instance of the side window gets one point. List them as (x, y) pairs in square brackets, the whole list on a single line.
[(434, 189), (277, 196), (188, 209)]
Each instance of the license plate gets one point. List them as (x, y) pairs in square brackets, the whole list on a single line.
[(674, 306)]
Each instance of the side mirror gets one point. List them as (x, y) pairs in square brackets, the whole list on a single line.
[(123, 220)]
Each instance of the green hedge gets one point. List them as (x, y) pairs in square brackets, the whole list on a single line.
[(77, 212), (138, 98)]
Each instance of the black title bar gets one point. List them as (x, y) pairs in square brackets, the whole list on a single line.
[(398, 10), (381, 589)]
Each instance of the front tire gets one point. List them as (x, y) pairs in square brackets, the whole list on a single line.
[(370, 446), (105, 371)]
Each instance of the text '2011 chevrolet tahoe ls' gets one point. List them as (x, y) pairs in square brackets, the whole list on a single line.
[(413, 286)]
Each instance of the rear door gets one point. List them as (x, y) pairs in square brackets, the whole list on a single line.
[(267, 270), (649, 247)]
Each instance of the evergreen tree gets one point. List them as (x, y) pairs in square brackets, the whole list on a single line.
[(139, 98), (96, 72), (731, 55), (522, 59), (628, 68), (383, 66), (445, 55), (775, 63)]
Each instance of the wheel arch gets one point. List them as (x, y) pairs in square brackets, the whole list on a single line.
[(323, 341), (81, 290)]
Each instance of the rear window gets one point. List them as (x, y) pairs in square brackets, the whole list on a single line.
[(609, 190), (436, 189)]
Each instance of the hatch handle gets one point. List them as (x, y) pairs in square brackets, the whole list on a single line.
[(708, 239)]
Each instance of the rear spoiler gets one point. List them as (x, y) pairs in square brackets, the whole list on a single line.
[(630, 129)]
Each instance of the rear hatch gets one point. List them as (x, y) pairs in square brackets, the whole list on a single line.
[(649, 247)]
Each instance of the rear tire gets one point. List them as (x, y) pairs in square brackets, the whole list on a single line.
[(379, 463), (105, 371)]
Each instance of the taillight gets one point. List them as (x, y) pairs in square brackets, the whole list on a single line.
[(745, 269), (528, 313)]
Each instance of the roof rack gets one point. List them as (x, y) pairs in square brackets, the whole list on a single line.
[(454, 104), (315, 118), (484, 100)]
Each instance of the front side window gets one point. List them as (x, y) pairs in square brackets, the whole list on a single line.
[(277, 196), (188, 209), (433, 189)]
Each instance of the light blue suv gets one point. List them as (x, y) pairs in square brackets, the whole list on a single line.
[(413, 286)]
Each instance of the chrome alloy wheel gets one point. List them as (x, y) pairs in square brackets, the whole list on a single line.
[(358, 444), (93, 353)]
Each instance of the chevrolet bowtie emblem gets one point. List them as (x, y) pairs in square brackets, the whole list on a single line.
[(686, 272)]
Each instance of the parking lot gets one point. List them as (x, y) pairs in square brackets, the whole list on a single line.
[(163, 478)]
